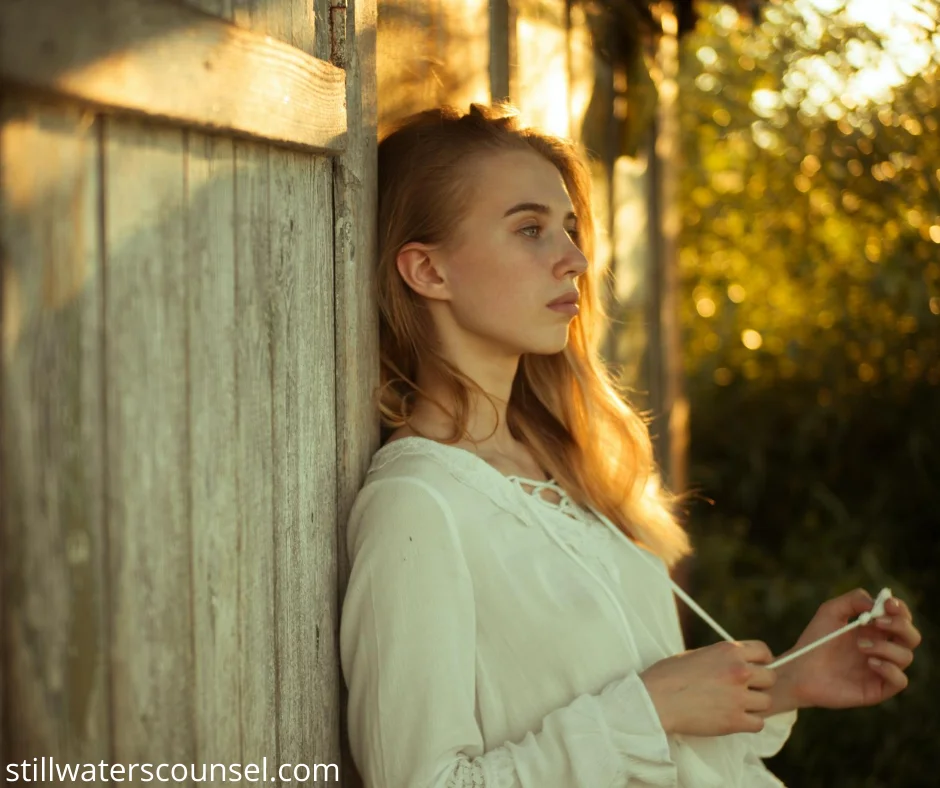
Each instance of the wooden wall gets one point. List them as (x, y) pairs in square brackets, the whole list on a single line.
[(184, 419)]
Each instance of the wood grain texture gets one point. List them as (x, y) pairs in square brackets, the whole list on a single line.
[(317, 654), (265, 17), (254, 452), (210, 286), (52, 541), (356, 312), (220, 8), (355, 242), (303, 24), (321, 31), (148, 472), (297, 255), (115, 53)]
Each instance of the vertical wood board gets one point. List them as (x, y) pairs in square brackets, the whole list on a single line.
[(148, 469), (210, 288), (254, 452), (52, 541)]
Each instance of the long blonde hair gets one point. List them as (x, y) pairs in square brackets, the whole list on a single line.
[(565, 408)]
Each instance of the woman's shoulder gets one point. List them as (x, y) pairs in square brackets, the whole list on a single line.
[(405, 454), (406, 462), (448, 472), (408, 485), (408, 454)]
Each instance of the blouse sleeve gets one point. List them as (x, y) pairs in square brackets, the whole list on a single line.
[(408, 652), (770, 740)]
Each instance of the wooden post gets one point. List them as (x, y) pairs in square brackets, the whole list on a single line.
[(668, 399), (356, 315)]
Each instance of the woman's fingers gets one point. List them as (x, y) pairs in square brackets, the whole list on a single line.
[(757, 701), (755, 651), (898, 607), (885, 650), (901, 629), (892, 675), (761, 677)]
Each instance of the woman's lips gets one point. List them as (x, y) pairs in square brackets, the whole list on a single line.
[(570, 308)]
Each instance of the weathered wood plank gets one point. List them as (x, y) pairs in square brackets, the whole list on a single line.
[(355, 245), (219, 8), (210, 253), (167, 60), (291, 177), (254, 452), (54, 648), (290, 21), (265, 17), (356, 322), (303, 25), (322, 10), (314, 556), (148, 444)]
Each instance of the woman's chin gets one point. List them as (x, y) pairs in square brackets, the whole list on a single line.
[(549, 346)]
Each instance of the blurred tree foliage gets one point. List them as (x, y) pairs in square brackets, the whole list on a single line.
[(810, 262)]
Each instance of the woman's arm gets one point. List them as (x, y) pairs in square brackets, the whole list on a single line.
[(408, 647)]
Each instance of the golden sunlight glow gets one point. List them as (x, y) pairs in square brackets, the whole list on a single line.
[(543, 73), (821, 83), (631, 237), (705, 307), (752, 339)]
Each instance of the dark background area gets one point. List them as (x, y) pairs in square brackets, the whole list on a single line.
[(810, 261)]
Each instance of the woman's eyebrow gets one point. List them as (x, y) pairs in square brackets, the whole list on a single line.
[(534, 206)]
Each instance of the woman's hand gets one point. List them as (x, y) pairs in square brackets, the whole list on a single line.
[(712, 691), (860, 668)]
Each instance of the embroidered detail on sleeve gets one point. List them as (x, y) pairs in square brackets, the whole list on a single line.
[(466, 773), (495, 770)]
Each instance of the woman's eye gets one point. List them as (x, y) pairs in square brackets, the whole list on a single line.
[(534, 231)]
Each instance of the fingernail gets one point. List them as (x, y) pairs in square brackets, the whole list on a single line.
[(874, 661), (885, 620), (865, 643), (893, 604)]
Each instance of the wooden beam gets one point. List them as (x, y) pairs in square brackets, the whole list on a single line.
[(166, 60)]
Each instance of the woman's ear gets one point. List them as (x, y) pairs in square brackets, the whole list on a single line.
[(424, 271)]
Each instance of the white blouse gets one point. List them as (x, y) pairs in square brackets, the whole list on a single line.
[(491, 637)]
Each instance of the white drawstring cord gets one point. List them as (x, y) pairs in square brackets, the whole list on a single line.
[(878, 610), (677, 589), (675, 586)]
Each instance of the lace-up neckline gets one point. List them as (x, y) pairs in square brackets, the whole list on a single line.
[(560, 502), (536, 486)]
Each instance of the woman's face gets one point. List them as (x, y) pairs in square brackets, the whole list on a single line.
[(513, 253)]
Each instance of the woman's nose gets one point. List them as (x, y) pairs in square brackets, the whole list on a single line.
[(573, 262)]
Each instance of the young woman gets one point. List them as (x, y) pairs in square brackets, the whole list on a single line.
[(509, 620)]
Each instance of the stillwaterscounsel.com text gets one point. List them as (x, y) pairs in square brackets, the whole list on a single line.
[(42, 770)]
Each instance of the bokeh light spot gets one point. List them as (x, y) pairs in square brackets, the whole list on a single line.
[(752, 339)]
